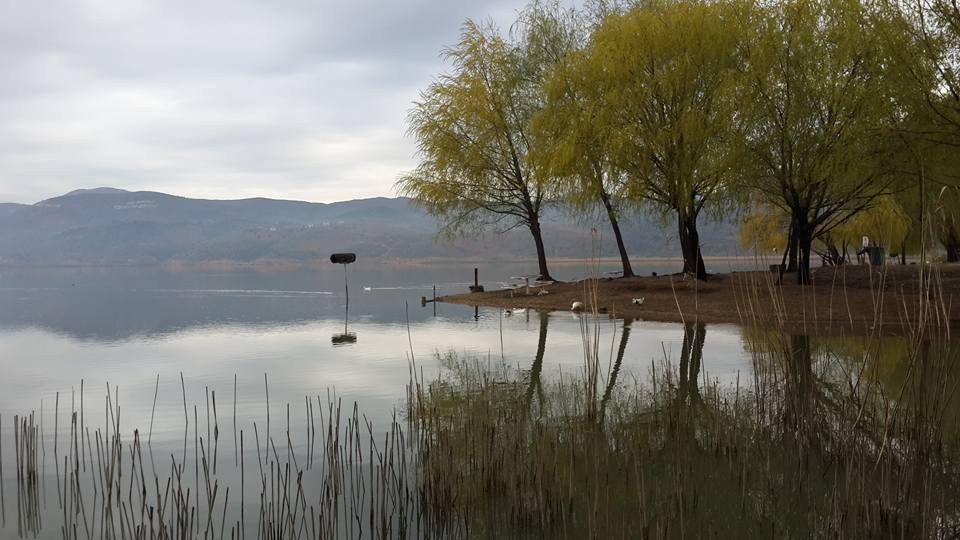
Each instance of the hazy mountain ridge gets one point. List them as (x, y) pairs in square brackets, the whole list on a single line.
[(107, 226)]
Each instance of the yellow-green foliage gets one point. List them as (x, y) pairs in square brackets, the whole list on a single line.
[(763, 231), (817, 125), (947, 214), (665, 77), (573, 143), (472, 127), (884, 222), (812, 107)]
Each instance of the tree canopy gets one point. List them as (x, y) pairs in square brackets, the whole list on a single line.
[(665, 78), (827, 119), (817, 128), (472, 128)]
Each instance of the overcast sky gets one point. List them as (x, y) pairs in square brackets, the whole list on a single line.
[(218, 98)]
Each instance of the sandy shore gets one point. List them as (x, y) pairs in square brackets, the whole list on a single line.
[(852, 297)]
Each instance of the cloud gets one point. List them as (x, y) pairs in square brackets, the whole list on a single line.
[(217, 99)]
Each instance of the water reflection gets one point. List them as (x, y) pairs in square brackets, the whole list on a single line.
[(691, 357), (800, 389), (535, 384), (615, 370), (120, 305), (830, 427), (707, 447), (346, 337)]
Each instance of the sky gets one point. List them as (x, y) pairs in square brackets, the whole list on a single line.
[(225, 99)]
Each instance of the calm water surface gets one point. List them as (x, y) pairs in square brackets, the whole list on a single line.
[(210, 345), (136, 331), (127, 326)]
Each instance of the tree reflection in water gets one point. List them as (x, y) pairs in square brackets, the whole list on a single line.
[(691, 357), (834, 436), (535, 384)]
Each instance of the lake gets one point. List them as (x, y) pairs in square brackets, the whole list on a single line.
[(174, 344), (127, 326)]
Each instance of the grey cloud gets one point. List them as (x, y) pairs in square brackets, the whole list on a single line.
[(216, 98)]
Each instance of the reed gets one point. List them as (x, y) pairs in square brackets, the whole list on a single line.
[(361, 483), (822, 442)]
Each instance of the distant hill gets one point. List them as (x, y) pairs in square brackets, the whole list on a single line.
[(108, 226)]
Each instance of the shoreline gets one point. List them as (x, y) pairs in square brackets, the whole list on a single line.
[(292, 264), (842, 298)]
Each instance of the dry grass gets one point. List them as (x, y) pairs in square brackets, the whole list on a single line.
[(844, 296), (831, 438)]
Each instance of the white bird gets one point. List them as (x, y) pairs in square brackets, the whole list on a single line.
[(367, 288), (577, 306), (638, 301), (507, 313)]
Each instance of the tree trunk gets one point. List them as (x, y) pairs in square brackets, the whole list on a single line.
[(690, 245), (952, 245), (612, 216), (903, 253), (804, 247), (792, 250), (787, 251), (541, 251)]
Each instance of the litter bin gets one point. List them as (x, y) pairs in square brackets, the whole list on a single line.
[(878, 255)]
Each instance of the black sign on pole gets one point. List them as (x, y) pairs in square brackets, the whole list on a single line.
[(343, 258)]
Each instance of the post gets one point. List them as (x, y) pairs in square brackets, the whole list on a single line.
[(476, 287), (346, 288)]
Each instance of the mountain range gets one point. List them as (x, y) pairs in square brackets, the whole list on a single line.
[(109, 226)]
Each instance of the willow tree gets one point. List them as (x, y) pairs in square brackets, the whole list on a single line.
[(940, 36), (472, 130), (947, 221), (666, 76), (936, 25), (575, 140), (815, 127), (762, 231), (942, 204), (923, 42), (884, 223)]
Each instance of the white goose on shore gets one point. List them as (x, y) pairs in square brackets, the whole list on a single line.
[(577, 306)]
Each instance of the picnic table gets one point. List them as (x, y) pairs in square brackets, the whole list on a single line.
[(537, 282)]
